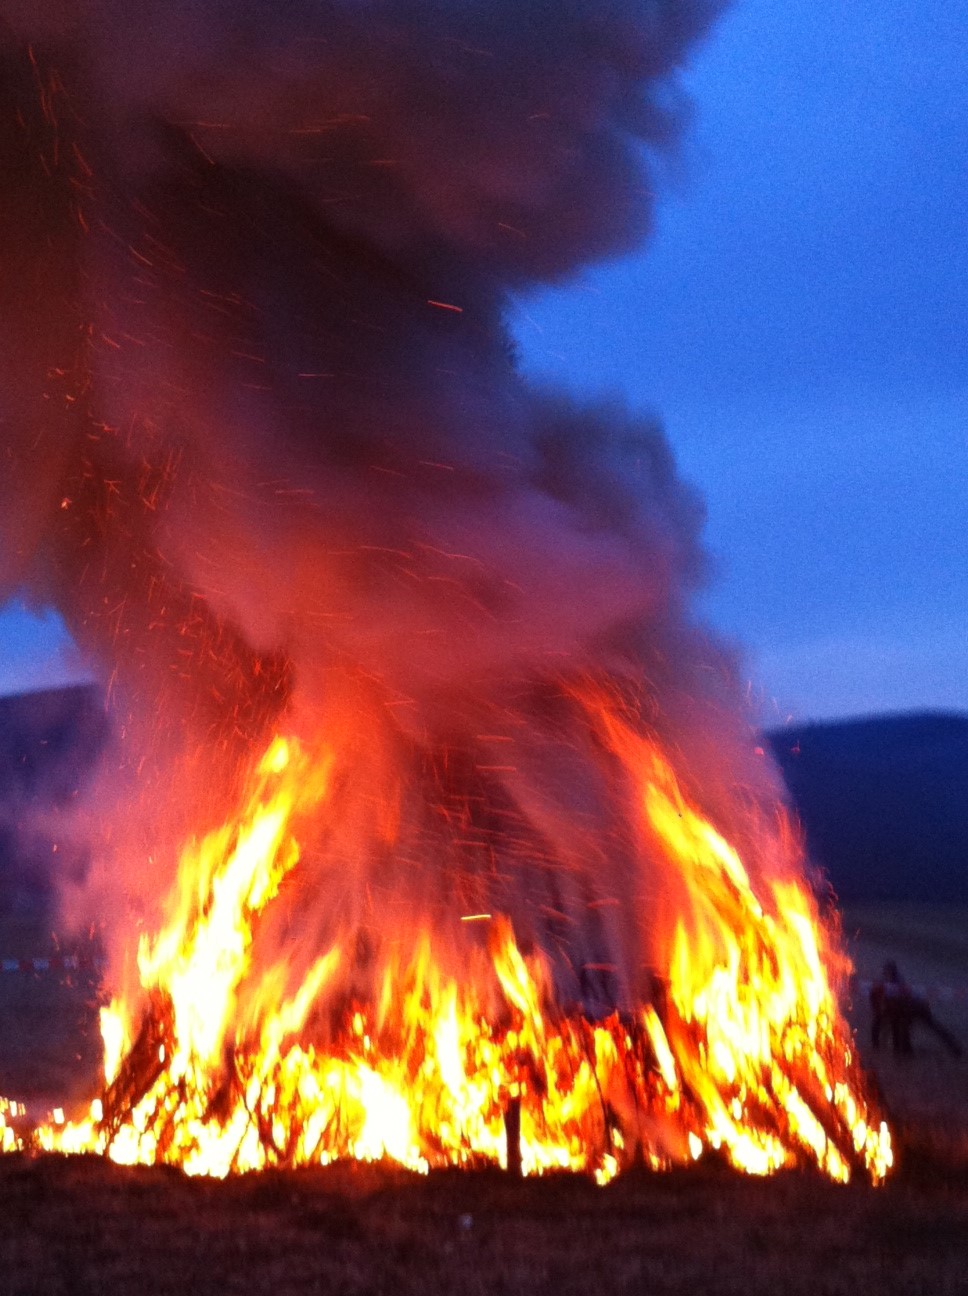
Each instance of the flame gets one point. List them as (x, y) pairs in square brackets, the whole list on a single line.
[(9, 1112), (218, 1070)]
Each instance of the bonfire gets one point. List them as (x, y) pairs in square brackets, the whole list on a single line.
[(740, 1048)]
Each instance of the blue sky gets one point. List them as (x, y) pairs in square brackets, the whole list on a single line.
[(800, 323)]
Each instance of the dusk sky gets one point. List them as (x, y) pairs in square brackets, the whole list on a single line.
[(799, 323)]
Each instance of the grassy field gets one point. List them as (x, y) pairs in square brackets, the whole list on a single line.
[(926, 1093), (49, 1039), (83, 1226)]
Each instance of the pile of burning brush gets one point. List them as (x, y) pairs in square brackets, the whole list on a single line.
[(217, 1070)]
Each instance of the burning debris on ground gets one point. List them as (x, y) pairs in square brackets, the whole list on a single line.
[(391, 640)]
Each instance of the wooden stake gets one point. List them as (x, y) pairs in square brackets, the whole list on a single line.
[(512, 1131)]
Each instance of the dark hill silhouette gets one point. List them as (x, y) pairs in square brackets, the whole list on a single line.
[(884, 802), (49, 745), (49, 741)]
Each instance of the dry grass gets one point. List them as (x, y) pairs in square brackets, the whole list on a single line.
[(83, 1226)]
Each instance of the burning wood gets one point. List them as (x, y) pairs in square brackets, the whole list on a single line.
[(747, 1054)]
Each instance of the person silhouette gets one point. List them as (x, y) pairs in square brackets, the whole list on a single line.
[(895, 1008)]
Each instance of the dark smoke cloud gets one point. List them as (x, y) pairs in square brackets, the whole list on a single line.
[(508, 132), (227, 309), (264, 443)]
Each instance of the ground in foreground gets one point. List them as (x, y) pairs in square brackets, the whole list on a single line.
[(81, 1226), (84, 1226)]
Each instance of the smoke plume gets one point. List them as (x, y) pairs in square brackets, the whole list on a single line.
[(265, 447)]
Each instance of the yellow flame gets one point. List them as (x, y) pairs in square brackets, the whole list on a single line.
[(746, 1053)]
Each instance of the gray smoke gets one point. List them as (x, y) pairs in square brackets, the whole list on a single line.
[(265, 447)]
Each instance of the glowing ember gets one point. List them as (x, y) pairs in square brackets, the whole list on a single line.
[(742, 1048)]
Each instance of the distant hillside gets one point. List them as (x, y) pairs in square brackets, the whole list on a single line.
[(49, 742), (884, 802), (49, 745)]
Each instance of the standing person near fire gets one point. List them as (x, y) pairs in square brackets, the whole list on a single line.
[(894, 1005)]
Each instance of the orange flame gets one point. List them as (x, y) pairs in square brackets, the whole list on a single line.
[(756, 1031), (746, 1051)]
